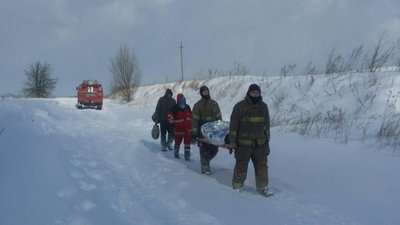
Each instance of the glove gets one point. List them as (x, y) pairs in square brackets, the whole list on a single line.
[(226, 139), (232, 147), (193, 139), (170, 119)]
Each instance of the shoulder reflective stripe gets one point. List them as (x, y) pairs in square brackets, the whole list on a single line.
[(253, 119), (194, 129), (212, 118), (179, 121), (179, 133), (233, 132), (195, 116), (250, 142), (261, 141)]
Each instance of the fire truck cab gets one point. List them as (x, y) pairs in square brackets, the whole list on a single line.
[(90, 95)]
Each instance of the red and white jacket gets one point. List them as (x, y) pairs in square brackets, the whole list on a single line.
[(181, 118)]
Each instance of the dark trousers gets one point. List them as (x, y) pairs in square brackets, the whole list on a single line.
[(257, 154), (165, 128), (207, 152)]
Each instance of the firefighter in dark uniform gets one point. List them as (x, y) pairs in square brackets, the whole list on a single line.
[(205, 110), (249, 134)]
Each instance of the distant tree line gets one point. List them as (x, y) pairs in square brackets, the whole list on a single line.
[(40, 83), (126, 75), (359, 60)]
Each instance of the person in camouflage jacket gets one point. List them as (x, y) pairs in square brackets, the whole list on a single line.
[(205, 110), (249, 134)]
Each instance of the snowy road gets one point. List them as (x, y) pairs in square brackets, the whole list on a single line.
[(60, 165)]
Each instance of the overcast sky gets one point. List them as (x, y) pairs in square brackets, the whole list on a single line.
[(79, 37)]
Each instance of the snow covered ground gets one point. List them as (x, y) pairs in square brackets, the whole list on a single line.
[(64, 166)]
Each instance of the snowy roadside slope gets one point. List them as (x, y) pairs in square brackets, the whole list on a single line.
[(354, 104), (60, 165)]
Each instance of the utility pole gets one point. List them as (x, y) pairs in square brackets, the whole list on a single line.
[(181, 48)]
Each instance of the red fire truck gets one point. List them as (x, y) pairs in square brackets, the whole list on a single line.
[(90, 94)]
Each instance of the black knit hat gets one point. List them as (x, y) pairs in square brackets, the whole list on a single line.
[(202, 88), (254, 87), (168, 92)]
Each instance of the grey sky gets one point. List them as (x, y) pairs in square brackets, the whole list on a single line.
[(79, 37)]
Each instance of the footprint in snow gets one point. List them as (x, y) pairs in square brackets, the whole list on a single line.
[(88, 205), (85, 206), (96, 174), (86, 187), (75, 162), (76, 174)]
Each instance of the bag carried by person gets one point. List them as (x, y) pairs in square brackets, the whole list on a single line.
[(155, 132)]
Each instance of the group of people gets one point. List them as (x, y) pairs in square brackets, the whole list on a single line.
[(249, 132)]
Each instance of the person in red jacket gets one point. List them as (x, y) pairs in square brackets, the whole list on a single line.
[(181, 116)]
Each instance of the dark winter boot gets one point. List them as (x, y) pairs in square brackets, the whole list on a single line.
[(176, 152), (169, 143), (205, 167), (163, 145), (237, 186), (266, 192), (187, 154)]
